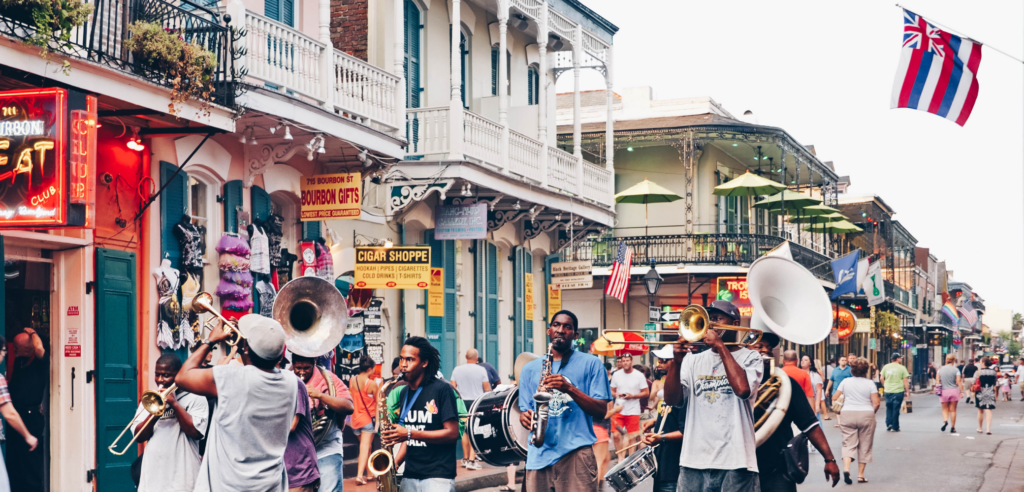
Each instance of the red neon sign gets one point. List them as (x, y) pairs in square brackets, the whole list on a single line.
[(83, 159), (847, 322), (33, 157)]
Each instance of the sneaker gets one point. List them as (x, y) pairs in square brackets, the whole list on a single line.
[(465, 464), (888, 428), (474, 465)]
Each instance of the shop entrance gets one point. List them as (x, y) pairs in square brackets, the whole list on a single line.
[(27, 296)]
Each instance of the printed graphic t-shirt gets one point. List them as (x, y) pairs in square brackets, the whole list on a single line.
[(434, 406), (719, 424)]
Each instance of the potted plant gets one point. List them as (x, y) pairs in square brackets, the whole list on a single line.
[(189, 67), (53, 20)]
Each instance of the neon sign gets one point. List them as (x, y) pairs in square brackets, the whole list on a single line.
[(34, 157), (847, 322), (83, 159), (734, 290)]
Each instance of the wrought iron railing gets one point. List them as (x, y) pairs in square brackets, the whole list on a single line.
[(102, 38), (697, 249)]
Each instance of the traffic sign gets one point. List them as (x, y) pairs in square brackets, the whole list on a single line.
[(650, 327), (653, 314), (670, 316)]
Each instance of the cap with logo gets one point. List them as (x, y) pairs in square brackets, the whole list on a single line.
[(725, 307), (264, 336)]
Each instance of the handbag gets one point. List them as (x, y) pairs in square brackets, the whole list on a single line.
[(976, 387), (837, 403), (796, 457), (938, 389)]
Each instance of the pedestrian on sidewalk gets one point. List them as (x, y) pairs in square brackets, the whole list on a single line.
[(364, 416), (816, 382), (1004, 385), (932, 374), (985, 397), (629, 386), (472, 381), (838, 375), (803, 378), (896, 384), (952, 389), (860, 404), (1019, 375), (602, 430), (969, 372)]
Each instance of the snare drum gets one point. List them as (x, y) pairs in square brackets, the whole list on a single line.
[(640, 466), (494, 429)]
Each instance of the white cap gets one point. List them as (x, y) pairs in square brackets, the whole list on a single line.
[(665, 352), (265, 336)]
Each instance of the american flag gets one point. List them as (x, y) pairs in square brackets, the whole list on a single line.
[(970, 315), (618, 282)]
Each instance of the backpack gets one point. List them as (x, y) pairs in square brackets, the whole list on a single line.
[(796, 458)]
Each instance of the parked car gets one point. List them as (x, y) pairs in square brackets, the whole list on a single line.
[(1007, 369)]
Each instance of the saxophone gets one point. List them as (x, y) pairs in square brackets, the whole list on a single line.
[(541, 397), (382, 461)]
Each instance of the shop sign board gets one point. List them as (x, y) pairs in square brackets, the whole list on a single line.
[(528, 296), (554, 302), (460, 221), (435, 295), (398, 267), (73, 342), (572, 275), (734, 290), (35, 182), (873, 343), (847, 322), (330, 196), (371, 316), (863, 326)]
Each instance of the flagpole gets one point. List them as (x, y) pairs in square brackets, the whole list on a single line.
[(960, 33)]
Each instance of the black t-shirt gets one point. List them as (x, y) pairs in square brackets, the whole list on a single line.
[(969, 370), (432, 408), (769, 454), (28, 382), (668, 451)]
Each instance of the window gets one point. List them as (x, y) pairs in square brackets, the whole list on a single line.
[(412, 54), (282, 11), (533, 85), (464, 55), (197, 198), (494, 71)]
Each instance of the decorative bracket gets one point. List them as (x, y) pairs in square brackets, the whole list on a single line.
[(403, 194), (534, 228), (257, 161), (498, 218)]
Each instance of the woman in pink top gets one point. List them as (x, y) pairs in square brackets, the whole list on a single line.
[(364, 396)]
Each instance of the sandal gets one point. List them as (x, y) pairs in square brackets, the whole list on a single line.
[(505, 488), (862, 480), (361, 480), (846, 478)]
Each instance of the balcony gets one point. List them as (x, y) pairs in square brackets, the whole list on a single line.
[(428, 136), (698, 249), (101, 39), (283, 59)]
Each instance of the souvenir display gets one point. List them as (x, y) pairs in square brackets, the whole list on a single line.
[(235, 287)]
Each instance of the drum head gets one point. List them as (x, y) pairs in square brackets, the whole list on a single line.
[(520, 434)]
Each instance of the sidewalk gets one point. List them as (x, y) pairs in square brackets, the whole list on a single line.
[(465, 480), (1007, 470)]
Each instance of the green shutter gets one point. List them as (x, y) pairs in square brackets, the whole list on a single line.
[(463, 51), (173, 204), (288, 12), (491, 260), (480, 299), (260, 203), (232, 200), (311, 230), (494, 71), (272, 9), (527, 324), (441, 331), (412, 54), (532, 86), (548, 261), (517, 306), (116, 373)]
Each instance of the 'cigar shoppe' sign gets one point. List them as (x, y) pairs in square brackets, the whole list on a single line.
[(47, 158)]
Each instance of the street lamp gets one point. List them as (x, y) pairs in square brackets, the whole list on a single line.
[(652, 281)]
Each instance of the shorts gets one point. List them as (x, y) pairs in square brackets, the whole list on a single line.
[(366, 428), (630, 422), (950, 395), (968, 383), (601, 433)]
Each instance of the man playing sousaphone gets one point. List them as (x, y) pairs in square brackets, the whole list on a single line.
[(336, 404), (718, 387)]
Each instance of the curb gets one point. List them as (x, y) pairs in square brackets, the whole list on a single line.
[(1007, 470), (496, 479)]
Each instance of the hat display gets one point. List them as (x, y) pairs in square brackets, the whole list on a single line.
[(265, 336)]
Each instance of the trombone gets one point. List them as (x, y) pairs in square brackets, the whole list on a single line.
[(203, 303), (154, 402), (694, 323)]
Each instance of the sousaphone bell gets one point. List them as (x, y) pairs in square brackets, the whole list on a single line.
[(314, 315)]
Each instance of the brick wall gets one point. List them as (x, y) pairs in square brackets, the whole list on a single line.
[(349, 23)]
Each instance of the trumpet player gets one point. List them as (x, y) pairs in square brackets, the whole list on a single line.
[(329, 457), (579, 389), (171, 461)]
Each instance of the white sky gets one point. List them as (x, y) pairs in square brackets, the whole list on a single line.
[(824, 72)]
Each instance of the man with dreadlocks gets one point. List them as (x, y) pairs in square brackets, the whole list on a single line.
[(428, 421)]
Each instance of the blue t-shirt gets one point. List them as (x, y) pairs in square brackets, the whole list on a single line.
[(838, 375), (569, 427)]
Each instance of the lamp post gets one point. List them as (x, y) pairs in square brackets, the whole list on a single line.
[(652, 281)]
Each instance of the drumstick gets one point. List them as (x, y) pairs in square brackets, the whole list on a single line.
[(631, 446)]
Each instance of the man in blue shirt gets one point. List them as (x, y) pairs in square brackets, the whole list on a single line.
[(838, 375), (580, 392)]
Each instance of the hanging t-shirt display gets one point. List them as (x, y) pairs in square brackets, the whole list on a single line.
[(348, 364), (267, 295), (235, 288), (274, 236), (260, 246)]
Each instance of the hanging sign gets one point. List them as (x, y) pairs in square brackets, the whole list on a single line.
[(307, 251), (863, 326), (833, 336), (435, 294), (371, 316), (399, 267), (873, 343), (847, 322), (330, 196), (460, 221), (649, 328), (82, 167), (528, 296), (572, 275), (554, 302)]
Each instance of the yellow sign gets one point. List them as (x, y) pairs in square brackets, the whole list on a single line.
[(528, 295), (400, 267), (330, 196), (435, 295), (554, 302)]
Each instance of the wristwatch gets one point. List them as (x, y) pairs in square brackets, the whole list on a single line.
[(833, 460)]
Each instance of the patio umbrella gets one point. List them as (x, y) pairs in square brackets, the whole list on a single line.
[(633, 345), (646, 192), (817, 219), (787, 201), (838, 227), (749, 184)]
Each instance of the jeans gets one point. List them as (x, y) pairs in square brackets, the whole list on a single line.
[(330, 473), (667, 486), (740, 480), (428, 485), (775, 482), (893, 402)]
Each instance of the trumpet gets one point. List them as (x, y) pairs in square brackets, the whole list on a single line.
[(153, 402), (203, 303), (694, 323)]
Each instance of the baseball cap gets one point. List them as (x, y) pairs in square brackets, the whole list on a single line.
[(896, 355), (725, 307), (265, 336), (664, 352)]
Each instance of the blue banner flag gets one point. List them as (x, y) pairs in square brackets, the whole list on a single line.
[(845, 269)]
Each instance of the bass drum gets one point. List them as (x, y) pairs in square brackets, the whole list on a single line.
[(494, 430)]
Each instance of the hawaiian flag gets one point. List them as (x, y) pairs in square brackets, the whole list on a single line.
[(937, 72), (618, 282)]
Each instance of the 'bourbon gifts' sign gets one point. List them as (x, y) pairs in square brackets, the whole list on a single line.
[(35, 177)]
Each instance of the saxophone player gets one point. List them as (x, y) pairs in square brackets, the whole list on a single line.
[(580, 392)]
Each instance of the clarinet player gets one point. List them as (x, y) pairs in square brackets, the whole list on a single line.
[(579, 392)]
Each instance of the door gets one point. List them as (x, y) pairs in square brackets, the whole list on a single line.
[(441, 331), (116, 383)]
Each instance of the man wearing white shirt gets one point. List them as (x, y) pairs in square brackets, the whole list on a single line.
[(628, 387)]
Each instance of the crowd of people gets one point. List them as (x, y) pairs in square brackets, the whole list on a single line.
[(979, 379)]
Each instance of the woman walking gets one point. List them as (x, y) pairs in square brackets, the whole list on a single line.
[(816, 382), (861, 402), (952, 388), (985, 397), (365, 396)]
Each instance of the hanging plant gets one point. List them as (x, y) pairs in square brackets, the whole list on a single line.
[(188, 66), (54, 20), (886, 323)]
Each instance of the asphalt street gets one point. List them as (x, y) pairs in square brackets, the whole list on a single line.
[(919, 457)]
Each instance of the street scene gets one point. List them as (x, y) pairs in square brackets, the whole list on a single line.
[(511, 245)]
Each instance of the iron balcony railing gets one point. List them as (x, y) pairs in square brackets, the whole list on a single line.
[(697, 249), (102, 38)]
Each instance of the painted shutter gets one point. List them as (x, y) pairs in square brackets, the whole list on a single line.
[(441, 330), (462, 54), (480, 299), (532, 89), (311, 230), (412, 54), (232, 200), (116, 386), (173, 204), (548, 261), (288, 12), (492, 275), (517, 305), (527, 324), (272, 9), (260, 203), (494, 71)]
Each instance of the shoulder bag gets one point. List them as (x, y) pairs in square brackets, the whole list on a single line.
[(796, 457)]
